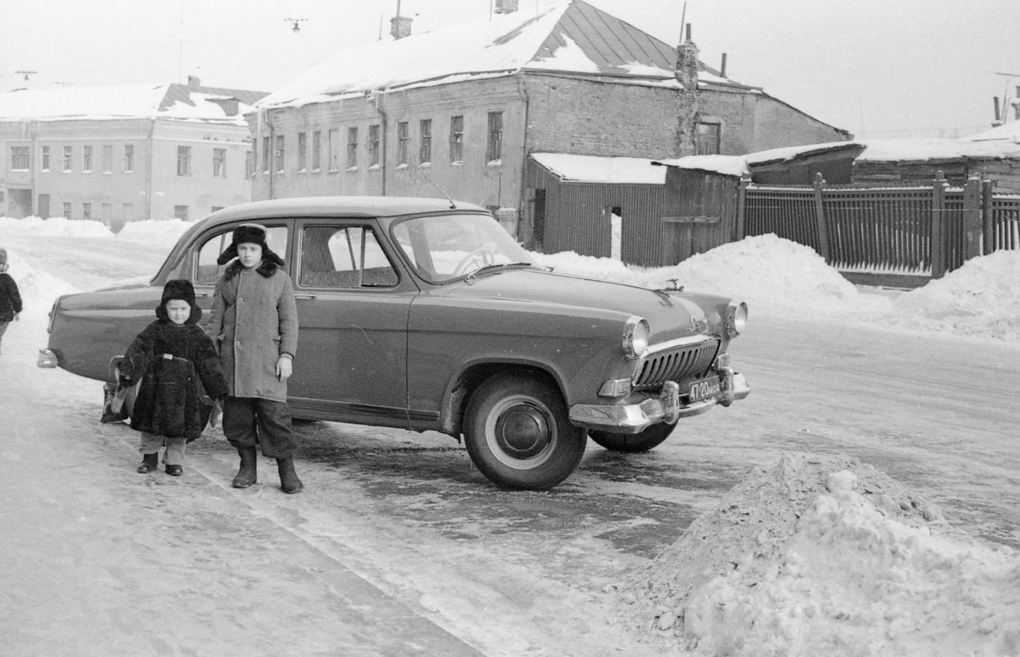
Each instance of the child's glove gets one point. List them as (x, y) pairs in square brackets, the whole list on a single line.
[(217, 411)]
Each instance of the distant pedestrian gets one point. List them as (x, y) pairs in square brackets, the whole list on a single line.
[(170, 357), (254, 322), (10, 298)]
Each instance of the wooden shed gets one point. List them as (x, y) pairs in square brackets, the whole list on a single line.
[(597, 206)]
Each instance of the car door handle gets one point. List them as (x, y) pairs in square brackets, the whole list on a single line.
[(304, 296)]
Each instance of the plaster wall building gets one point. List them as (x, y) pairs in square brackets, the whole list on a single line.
[(122, 154)]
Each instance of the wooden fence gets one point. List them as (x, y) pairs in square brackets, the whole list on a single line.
[(906, 230)]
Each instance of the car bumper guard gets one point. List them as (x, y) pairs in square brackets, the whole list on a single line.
[(635, 418)]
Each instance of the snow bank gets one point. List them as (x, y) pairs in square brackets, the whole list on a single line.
[(34, 284), (827, 556), (53, 227), (980, 299)]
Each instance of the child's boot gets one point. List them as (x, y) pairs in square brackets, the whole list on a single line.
[(289, 481), (247, 473), (149, 463)]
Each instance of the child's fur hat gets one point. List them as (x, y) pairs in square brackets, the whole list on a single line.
[(182, 289), (250, 234)]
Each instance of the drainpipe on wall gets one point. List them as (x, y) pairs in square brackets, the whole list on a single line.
[(523, 192), (377, 101), (148, 173), (271, 153)]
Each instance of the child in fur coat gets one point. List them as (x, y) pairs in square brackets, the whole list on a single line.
[(170, 357)]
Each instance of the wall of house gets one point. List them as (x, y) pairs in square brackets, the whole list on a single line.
[(116, 196), (474, 179), (1005, 173), (588, 117), (735, 114), (199, 192), (777, 124)]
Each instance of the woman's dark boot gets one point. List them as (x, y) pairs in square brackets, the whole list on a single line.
[(149, 463), (289, 481), (246, 474)]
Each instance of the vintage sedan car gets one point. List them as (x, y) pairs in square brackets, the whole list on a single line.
[(426, 314)]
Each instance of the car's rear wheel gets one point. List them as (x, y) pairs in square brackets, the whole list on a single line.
[(633, 443), (517, 432)]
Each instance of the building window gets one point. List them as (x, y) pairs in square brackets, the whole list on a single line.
[(184, 160), (67, 211), (219, 163), (181, 212), (334, 150), (456, 139), (216, 208), (425, 147), (45, 160), (317, 150), (129, 212), (352, 148), (302, 150), (265, 154), (19, 158), (129, 158), (494, 149), (249, 163), (708, 138), (278, 153), (86, 211), (67, 160), (403, 142), (108, 158), (373, 145), (86, 159)]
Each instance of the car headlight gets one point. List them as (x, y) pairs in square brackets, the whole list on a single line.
[(635, 336), (736, 318)]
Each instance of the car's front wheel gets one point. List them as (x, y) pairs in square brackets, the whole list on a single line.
[(633, 443), (517, 432)]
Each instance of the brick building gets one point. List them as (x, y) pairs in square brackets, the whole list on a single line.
[(461, 110), (121, 154)]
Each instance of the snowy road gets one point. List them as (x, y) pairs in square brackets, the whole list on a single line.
[(398, 539)]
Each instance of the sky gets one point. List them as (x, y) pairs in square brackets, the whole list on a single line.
[(879, 69)]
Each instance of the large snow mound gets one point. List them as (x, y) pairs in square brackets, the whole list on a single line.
[(824, 555)]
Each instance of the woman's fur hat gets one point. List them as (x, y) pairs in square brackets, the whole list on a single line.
[(182, 289), (250, 234)]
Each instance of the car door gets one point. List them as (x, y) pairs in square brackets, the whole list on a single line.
[(353, 303)]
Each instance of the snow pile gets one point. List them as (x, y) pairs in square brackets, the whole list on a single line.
[(981, 298), (37, 288), (154, 232), (827, 556), (774, 275), (53, 227)]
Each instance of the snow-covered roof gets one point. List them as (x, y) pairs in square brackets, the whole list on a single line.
[(169, 101), (594, 169), (570, 37), (726, 165), (896, 150), (1009, 132)]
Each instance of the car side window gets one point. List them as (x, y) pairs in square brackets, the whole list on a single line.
[(207, 271), (343, 257)]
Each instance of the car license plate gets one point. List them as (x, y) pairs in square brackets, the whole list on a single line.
[(704, 389)]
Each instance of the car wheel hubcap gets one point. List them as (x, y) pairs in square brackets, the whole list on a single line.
[(522, 431)]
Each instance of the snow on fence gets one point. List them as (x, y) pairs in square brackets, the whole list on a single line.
[(917, 230)]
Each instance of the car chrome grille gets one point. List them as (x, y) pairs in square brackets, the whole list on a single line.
[(675, 364)]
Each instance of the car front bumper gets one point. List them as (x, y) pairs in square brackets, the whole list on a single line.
[(635, 418)]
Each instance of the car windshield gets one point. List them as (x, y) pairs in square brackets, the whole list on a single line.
[(447, 247)]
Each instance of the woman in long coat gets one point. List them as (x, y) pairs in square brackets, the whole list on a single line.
[(254, 323)]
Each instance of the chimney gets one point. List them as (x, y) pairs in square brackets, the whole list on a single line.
[(506, 6), (194, 82), (687, 108), (400, 27), (722, 67), (997, 115)]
